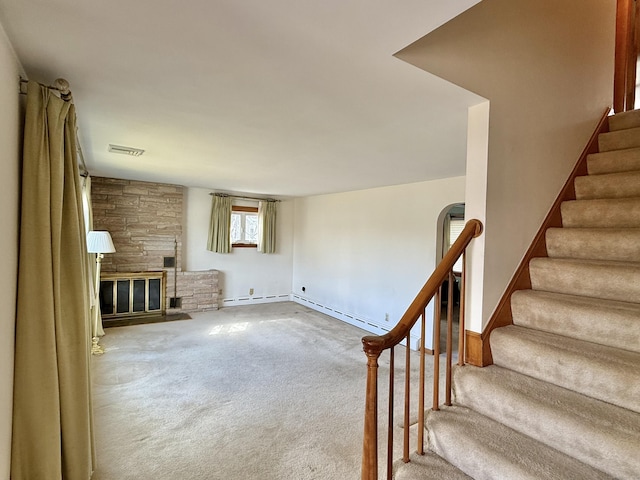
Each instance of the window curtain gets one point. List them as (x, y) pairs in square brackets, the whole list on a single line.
[(220, 225), (267, 226), (52, 422), (94, 295)]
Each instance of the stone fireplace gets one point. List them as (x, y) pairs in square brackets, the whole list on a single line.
[(145, 222)]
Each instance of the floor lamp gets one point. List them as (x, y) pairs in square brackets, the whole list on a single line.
[(98, 242)]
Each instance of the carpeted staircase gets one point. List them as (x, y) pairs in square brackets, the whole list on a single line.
[(562, 400)]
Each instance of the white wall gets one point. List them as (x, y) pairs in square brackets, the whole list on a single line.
[(476, 207), (546, 66), (10, 133), (244, 268), (365, 254)]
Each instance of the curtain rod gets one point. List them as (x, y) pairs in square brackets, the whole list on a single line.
[(84, 171), (245, 198), (62, 86)]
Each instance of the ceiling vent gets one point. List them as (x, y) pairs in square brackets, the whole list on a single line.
[(135, 152)]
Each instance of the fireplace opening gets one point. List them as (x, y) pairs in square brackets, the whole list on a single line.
[(123, 294)]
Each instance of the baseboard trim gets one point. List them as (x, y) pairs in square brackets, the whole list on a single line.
[(255, 300), (346, 317), (477, 352)]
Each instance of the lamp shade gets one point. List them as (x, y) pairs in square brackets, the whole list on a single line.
[(99, 242)]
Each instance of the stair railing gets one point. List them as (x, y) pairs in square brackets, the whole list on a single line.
[(375, 345)]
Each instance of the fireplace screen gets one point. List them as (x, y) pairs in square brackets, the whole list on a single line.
[(131, 294)]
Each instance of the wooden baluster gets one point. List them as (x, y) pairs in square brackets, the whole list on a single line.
[(370, 441), (390, 424), (436, 352), (632, 60), (420, 447), (461, 326), (407, 398), (374, 345), (624, 39), (449, 339)]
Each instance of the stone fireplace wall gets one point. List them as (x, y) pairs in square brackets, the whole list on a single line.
[(145, 222)]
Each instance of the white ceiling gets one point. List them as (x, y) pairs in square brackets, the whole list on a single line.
[(278, 97)]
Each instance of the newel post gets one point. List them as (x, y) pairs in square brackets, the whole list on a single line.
[(370, 441)]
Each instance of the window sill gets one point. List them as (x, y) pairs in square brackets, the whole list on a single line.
[(244, 245)]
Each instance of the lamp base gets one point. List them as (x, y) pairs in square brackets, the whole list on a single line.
[(95, 348)]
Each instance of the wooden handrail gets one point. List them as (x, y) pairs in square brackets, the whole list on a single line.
[(374, 345)]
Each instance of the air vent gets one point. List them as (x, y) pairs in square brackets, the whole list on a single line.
[(135, 152)]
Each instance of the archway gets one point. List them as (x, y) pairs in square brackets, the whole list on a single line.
[(450, 224)]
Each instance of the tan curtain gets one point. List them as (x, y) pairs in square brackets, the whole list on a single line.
[(267, 227), (52, 423), (220, 225)]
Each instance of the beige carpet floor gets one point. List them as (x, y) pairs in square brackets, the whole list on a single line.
[(272, 391)]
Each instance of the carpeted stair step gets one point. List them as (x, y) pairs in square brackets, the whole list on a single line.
[(619, 139), (606, 322), (601, 372), (615, 244), (610, 185), (598, 434), (488, 450), (614, 161), (624, 120), (586, 278), (427, 467), (601, 213)]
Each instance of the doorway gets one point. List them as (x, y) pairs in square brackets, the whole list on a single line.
[(450, 224)]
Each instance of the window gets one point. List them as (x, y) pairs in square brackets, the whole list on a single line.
[(456, 225), (244, 226)]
